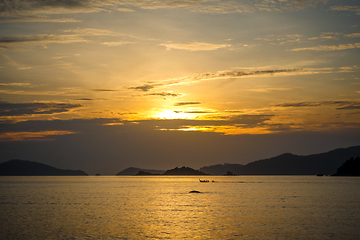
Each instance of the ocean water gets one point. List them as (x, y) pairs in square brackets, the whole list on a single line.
[(236, 207)]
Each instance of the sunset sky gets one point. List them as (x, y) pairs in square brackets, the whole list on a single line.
[(108, 84)]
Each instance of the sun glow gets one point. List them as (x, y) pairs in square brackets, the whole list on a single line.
[(172, 114)]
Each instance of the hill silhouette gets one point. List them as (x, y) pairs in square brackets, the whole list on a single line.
[(350, 168), (183, 171), (142, 173), (133, 171), (17, 167), (289, 164)]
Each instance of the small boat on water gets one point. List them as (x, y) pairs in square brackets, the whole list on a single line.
[(204, 180)]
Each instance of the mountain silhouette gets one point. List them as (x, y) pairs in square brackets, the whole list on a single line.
[(350, 168), (289, 164), (183, 171), (17, 167)]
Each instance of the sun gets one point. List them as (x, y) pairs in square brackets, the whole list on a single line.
[(172, 114)]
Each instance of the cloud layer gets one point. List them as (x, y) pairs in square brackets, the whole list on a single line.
[(19, 109), (194, 46)]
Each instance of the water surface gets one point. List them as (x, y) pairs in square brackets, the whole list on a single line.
[(161, 207)]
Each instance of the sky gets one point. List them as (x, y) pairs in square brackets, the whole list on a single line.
[(109, 84)]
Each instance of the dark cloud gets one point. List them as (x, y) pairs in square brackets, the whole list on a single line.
[(9, 42), (85, 99), (146, 87), (341, 105), (29, 38), (350, 107), (103, 90), (186, 103), (32, 9), (18, 109), (89, 99), (213, 76), (164, 94), (241, 73)]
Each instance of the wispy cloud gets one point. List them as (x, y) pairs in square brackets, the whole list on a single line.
[(340, 105), (282, 39), (194, 46), (355, 9), (14, 84), (103, 90), (64, 92), (114, 44), (329, 47), (97, 32), (12, 19), (352, 35), (10, 42), (37, 10), (263, 90), (227, 74)]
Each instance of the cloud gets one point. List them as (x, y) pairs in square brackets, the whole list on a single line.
[(17, 84), (26, 136), (233, 74), (348, 69), (329, 47), (352, 35), (340, 105), (350, 107), (242, 73), (12, 19), (164, 94), (39, 8), (113, 44), (228, 125), (194, 46), (355, 9), (146, 87), (9, 42), (103, 90), (84, 99), (186, 103), (264, 90), (65, 92), (26, 10), (282, 39), (19, 109), (97, 32)]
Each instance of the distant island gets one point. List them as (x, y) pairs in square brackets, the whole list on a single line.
[(284, 164), (18, 167), (143, 173), (289, 164), (350, 168), (175, 171), (133, 171), (184, 171), (338, 162)]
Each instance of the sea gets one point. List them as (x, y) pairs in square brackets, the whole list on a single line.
[(163, 207)]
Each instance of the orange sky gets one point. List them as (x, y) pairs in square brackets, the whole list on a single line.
[(250, 70)]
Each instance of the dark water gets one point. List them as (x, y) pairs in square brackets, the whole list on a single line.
[(241, 207)]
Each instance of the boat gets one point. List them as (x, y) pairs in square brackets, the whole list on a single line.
[(204, 180)]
